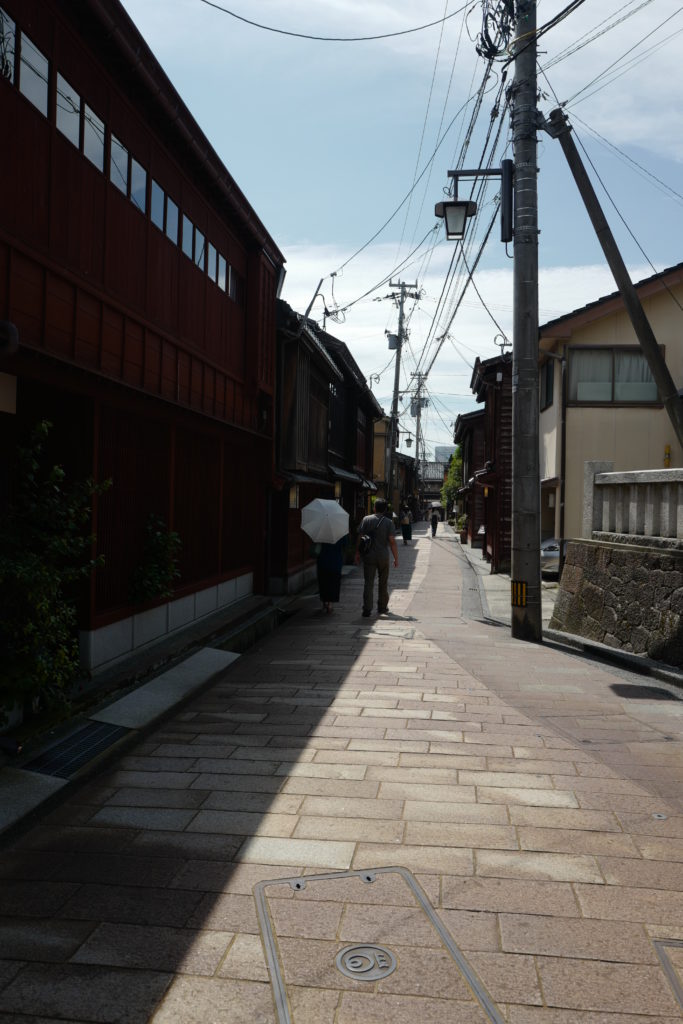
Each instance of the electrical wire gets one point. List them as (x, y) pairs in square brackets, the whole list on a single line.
[(598, 30), (331, 39), (479, 296), (614, 63)]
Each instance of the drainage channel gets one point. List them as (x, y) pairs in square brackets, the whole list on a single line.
[(377, 937), (65, 758)]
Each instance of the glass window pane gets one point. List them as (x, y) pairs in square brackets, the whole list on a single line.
[(93, 138), (187, 236), (138, 185), (171, 220), (199, 248), (633, 381), (222, 272), (156, 210), (118, 165), (33, 73), (7, 38), (590, 375), (211, 262), (68, 111)]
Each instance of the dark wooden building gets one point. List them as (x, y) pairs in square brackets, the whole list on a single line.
[(487, 460), (325, 416), (143, 286)]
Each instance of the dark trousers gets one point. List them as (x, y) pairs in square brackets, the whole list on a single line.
[(372, 567)]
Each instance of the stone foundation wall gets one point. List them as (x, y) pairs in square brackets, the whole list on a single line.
[(624, 595)]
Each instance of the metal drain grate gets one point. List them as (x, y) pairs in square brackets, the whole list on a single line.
[(65, 758), (629, 691)]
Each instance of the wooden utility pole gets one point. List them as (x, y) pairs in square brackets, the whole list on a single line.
[(526, 490), (558, 126), (400, 299)]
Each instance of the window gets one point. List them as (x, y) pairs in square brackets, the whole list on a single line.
[(171, 220), (68, 112), (222, 272), (236, 287), (93, 138), (156, 205), (188, 229), (621, 376), (211, 262), (118, 165), (33, 74), (547, 382), (199, 248), (138, 185), (7, 38)]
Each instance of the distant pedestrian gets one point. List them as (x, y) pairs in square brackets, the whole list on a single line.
[(380, 528), (406, 524), (329, 564), (435, 520)]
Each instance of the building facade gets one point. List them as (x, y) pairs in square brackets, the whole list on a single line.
[(141, 287)]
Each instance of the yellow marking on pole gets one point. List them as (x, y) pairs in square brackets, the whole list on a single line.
[(518, 588)]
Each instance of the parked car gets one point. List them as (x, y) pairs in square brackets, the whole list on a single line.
[(550, 555)]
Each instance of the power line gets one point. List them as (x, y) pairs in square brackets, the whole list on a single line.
[(331, 39)]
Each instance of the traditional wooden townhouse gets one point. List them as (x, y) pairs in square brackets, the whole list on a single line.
[(138, 291)]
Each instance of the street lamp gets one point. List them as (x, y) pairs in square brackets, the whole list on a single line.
[(455, 214)]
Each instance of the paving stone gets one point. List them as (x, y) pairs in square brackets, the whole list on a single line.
[(239, 783), (341, 807), (274, 803), (49, 941), (510, 895), (591, 985), (332, 787), (425, 810), (243, 823), (199, 1000), (131, 904), (659, 848), (297, 852), (488, 837), (136, 797), (473, 930), (315, 770), (576, 938), (177, 950), (557, 817), (558, 840), (508, 977), (314, 919), (423, 791), (79, 992), (535, 1015), (355, 829), (529, 797), (415, 858), (619, 903), (157, 818), (245, 959), (359, 1008), (34, 898), (648, 874)]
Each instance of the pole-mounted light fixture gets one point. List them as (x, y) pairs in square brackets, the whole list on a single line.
[(455, 214)]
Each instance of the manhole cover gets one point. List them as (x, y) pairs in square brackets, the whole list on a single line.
[(630, 691), (374, 938), (673, 971), (366, 963)]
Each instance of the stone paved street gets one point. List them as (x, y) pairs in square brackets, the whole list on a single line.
[(536, 805)]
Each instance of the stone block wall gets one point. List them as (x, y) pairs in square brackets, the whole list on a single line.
[(625, 595)]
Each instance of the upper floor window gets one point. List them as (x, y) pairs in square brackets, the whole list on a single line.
[(211, 262), (69, 112), (171, 220), (93, 138), (199, 248), (156, 205), (221, 280), (547, 384), (610, 375), (33, 74), (188, 234), (7, 44), (138, 185), (118, 165)]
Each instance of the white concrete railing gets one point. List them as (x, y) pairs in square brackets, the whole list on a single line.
[(641, 503)]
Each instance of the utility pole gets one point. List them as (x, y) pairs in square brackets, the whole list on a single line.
[(399, 298), (421, 378), (526, 501), (557, 126)]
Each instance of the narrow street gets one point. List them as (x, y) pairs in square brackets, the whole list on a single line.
[(513, 815)]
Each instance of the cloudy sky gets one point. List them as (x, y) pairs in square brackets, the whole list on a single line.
[(346, 146)]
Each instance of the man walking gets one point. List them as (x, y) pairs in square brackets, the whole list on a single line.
[(380, 528)]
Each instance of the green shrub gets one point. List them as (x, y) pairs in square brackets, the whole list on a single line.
[(158, 570), (45, 549)]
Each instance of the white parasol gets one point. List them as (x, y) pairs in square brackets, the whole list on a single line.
[(324, 520)]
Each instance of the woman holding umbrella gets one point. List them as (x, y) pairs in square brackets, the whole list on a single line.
[(327, 524)]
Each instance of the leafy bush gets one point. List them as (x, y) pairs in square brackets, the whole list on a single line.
[(155, 575), (45, 546)]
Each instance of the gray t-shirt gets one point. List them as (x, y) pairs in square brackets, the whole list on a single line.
[(382, 528)]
